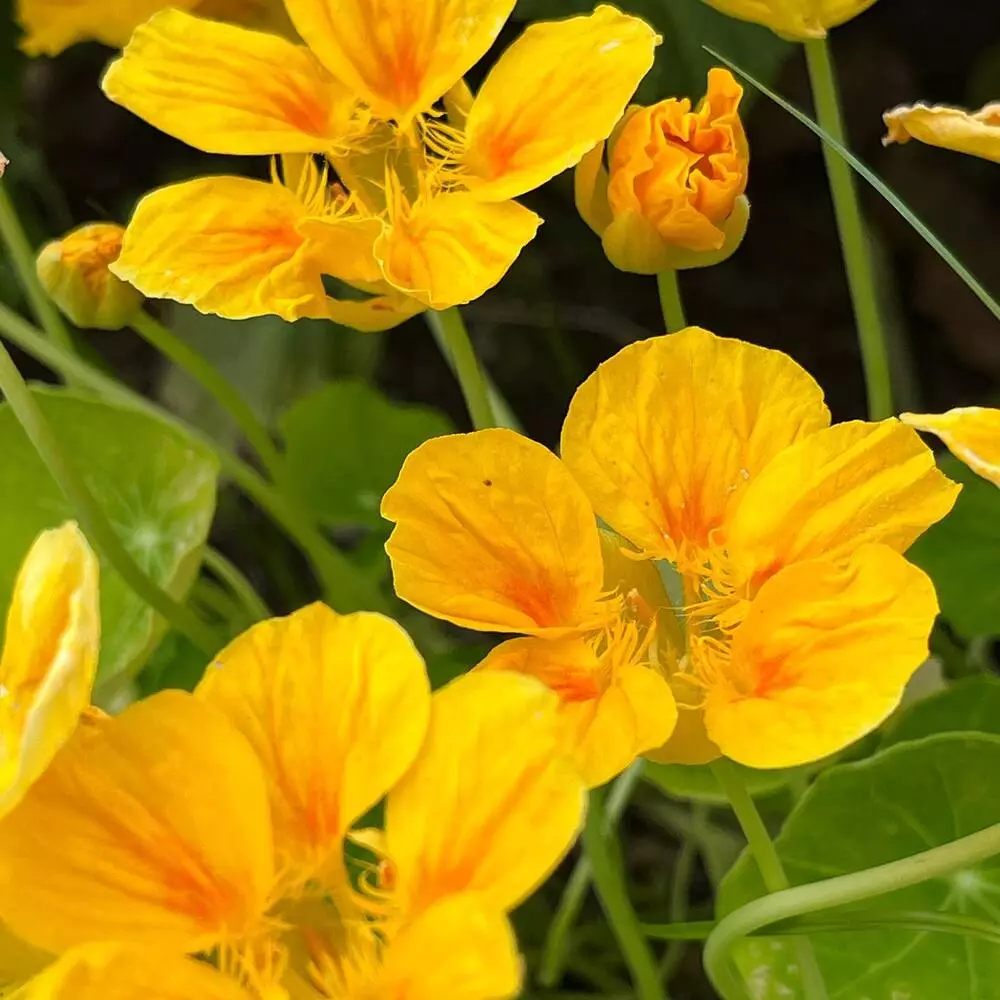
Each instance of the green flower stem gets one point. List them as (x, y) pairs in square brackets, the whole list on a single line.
[(680, 887), (601, 846), (670, 301), (771, 870), (13, 236), (343, 588), (238, 584), (843, 889), (95, 524), (560, 927), (486, 406), (853, 239), (211, 379)]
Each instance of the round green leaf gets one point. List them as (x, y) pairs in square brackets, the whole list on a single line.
[(904, 800), (156, 485), (968, 705)]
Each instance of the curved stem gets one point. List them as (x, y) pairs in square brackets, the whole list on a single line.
[(670, 301), (343, 588), (680, 888), (838, 891), (241, 587), (449, 331), (211, 379), (764, 853), (557, 937), (23, 258), (601, 846), (853, 238), (95, 524)]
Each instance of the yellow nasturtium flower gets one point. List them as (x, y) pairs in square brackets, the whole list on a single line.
[(421, 214), (672, 194), (218, 823), (794, 19), (971, 434), (802, 621), (974, 132)]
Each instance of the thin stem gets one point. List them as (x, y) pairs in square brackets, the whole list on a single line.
[(23, 258), (343, 588), (560, 927), (449, 331), (601, 845), (838, 891), (95, 524), (670, 301), (680, 888), (241, 587), (853, 239), (771, 870), (211, 379)]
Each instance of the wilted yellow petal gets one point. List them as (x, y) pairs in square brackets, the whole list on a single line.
[(665, 437), (226, 89), (458, 949), (799, 19), (976, 133), (849, 484), (49, 656), (120, 972), (493, 533), (152, 827), (822, 658), (972, 434), (335, 707), (491, 805), (450, 249), (399, 57), (558, 90)]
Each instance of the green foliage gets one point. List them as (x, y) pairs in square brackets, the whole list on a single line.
[(962, 553), (345, 445), (156, 485), (971, 705), (698, 783), (909, 798)]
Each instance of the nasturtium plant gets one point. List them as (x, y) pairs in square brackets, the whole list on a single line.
[(971, 704), (158, 486)]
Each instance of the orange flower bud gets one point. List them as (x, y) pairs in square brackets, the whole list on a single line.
[(75, 272), (672, 195)]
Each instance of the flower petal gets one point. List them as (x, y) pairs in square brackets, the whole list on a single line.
[(665, 436), (491, 805), (400, 58), (976, 133), (689, 743), (49, 656), (226, 89), (164, 834), (558, 90), (972, 434), (822, 658), (450, 249), (849, 484), (335, 707), (423, 963), (493, 533)]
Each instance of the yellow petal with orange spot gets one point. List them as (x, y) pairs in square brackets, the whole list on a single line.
[(491, 804), (450, 249), (607, 720), (399, 57), (151, 827), (974, 132), (335, 707), (49, 656), (120, 972), (226, 245), (491, 532), (226, 89), (822, 658), (849, 484), (972, 434), (665, 437), (558, 90), (422, 962)]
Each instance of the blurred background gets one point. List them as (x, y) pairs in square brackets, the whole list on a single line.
[(561, 310)]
